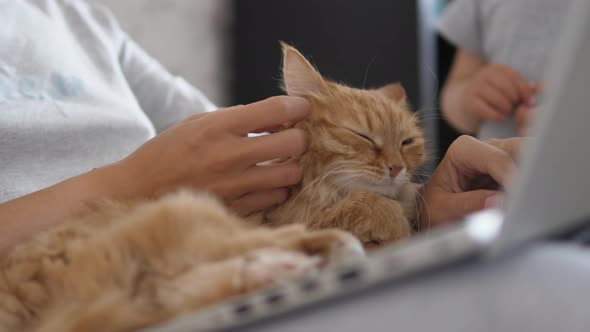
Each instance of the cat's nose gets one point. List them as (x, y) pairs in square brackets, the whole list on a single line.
[(394, 170)]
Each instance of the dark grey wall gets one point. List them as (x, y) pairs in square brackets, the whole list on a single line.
[(345, 39)]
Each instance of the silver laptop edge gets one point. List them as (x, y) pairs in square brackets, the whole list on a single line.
[(423, 252)]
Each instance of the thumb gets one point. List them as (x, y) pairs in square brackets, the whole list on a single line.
[(462, 204), (539, 86)]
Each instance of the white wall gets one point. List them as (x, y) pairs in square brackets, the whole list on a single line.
[(189, 37)]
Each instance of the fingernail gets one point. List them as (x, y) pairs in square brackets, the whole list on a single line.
[(494, 202), (298, 106), (532, 101)]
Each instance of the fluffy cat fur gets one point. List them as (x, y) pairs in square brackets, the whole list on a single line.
[(365, 146), (130, 266)]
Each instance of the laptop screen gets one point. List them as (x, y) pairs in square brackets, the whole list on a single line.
[(552, 190)]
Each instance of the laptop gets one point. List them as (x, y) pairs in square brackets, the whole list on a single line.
[(549, 197)]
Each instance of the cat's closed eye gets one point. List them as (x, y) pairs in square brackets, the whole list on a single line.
[(408, 141), (365, 137)]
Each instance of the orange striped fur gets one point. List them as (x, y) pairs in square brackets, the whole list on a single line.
[(355, 136)]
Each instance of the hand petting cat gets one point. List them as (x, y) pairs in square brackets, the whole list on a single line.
[(213, 152)]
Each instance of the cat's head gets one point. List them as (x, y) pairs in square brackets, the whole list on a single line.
[(367, 139)]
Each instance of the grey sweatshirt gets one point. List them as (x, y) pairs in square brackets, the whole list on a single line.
[(76, 93)]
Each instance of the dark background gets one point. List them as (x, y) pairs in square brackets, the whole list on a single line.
[(446, 134), (366, 43)]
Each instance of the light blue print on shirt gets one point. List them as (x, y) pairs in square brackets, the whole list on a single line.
[(7, 90), (31, 87), (57, 89), (4, 89), (62, 87)]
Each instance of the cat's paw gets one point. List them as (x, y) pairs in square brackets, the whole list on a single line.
[(334, 246), (265, 267), (345, 249)]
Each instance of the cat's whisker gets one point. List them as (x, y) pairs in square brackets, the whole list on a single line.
[(425, 204), (318, 181), (428, 108), (432, 117), (422, 174), (315, 192), (367, 70), (345, 181), (436, 80)]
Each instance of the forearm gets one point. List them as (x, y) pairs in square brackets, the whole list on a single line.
[(31, 214), (453, 107)]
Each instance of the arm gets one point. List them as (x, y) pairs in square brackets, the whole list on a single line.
[(43, 209), (210, 151), (465, 65)]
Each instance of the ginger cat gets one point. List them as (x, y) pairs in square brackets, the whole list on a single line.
[(130, 266), (365, 146)]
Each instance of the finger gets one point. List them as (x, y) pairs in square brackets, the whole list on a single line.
[(269, 129), (521, 119), (495, 202), (268, 113), (539, 86), (277, 128), (521, 112), (471, 157), (486, 111), (511, 146), (525, 90), (497, 100), (259, 201), (290, 143), (461, 204), (503, 84), (261, 178), (532, 102)]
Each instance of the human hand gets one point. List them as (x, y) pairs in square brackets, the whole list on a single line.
[(213, 152), (495, 92), (524, 114), (522, 117), (468, 179)]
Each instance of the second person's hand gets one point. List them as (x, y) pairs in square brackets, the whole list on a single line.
[(495, 92)]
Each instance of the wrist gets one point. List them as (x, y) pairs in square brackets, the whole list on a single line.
[(455, 109), (113, 181)]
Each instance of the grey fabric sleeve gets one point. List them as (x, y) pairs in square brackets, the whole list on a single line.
[(461, 25), (166, 99)]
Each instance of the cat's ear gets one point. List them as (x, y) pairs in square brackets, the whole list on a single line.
[(300, 78), (394, 91)]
